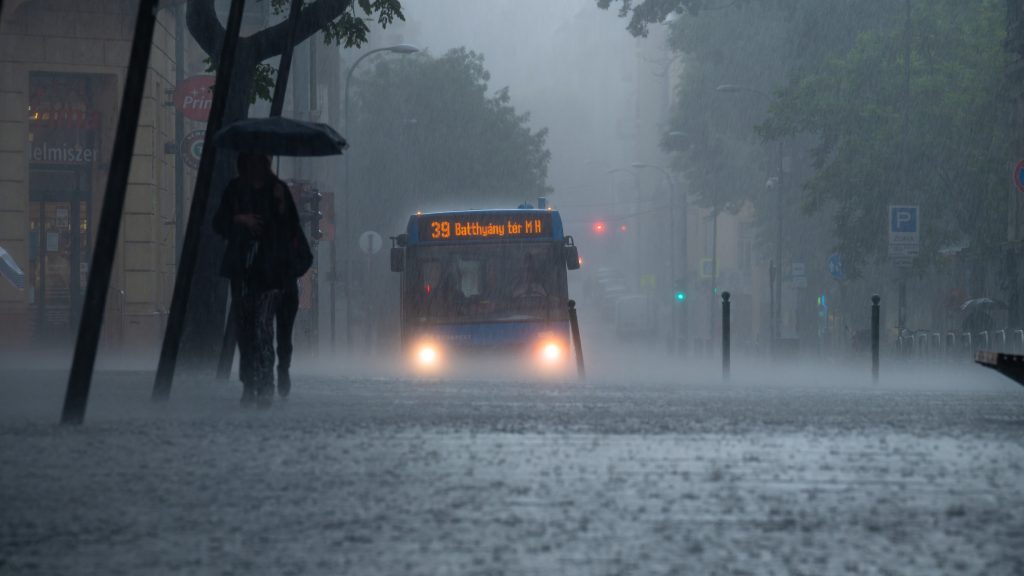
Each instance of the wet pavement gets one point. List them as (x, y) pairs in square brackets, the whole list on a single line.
[(798, 472)]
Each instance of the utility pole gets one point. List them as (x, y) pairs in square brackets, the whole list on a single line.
[(1015, 84), (901, 316), (179, 133)]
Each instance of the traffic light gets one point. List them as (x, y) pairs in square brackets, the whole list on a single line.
[(680, 292), (599, 227)]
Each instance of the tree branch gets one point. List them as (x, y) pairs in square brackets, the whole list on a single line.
[(272, 41), (201, 18)]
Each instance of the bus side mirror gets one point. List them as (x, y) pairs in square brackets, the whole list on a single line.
[(572, 258), (397, 259)]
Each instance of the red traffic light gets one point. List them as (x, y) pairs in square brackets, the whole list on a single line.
[(599, 227)]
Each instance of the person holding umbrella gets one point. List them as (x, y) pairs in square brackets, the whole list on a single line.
[(260, 138), (258, 218)]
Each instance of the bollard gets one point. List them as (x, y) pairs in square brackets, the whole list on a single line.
[(574, 323), (936, 345), (950, 345), (968, 344), (983, 341), (725, 335), (874, 335), (1018, 341), (1001, 341)]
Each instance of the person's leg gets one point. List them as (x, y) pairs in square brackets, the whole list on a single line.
[(246, 339), (286, 312), (236, 305), (263, 346)]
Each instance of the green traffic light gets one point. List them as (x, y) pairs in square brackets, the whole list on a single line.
[(680, 296)]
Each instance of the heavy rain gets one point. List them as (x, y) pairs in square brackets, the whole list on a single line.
[(511, 287)]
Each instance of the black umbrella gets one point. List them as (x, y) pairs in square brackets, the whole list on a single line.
[(277, 136)]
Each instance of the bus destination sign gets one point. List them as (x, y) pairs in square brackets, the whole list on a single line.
[(449, 227)]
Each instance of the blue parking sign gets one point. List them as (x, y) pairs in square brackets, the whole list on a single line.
[(903, 224)]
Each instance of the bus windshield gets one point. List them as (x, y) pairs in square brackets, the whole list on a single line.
[(485, 283)]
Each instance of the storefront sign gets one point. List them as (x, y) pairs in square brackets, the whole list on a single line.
[(194, 97), (63, 121)]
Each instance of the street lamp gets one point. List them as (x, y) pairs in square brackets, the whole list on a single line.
[(397, 49), (674, 241), (777, 181)]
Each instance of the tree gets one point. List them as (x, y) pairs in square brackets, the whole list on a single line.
[(432, 137), (835, 70), (643, 13), (340, 23), (928, 131), (430, 133)]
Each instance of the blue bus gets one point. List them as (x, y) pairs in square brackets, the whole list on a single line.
[(478, 281)]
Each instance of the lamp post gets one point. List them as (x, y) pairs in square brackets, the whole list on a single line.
[(776, 181), (674, 241), (397, 49)]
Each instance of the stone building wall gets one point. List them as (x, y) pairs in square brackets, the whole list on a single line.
[(45, 39)]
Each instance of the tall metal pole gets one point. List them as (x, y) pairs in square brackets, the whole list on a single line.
[(673, 244), (197, 212), (714, 273), (179, 131), (672, 257), (901, 315), (346, 232), (778, 247), (346, 218), (776, 274), (80, 379)]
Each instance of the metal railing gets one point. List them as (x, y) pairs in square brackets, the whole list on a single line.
[(958, 346)]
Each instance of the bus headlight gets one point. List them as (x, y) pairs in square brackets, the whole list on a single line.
[(427, 355), (551, 352)]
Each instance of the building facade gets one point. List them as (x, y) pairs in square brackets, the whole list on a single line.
[(62, 64)]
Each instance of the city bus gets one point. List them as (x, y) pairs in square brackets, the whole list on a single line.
[(479, 282)]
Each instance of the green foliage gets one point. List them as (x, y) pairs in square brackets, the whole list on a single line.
[(834, 74), (643, 13), (951, 162), (426, 134), (350, 29), (263, 80), (711, 132)]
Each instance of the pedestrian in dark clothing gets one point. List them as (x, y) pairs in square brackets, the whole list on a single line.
[(259, 219), (286, 312)]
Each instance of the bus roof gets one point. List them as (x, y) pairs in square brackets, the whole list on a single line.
[(461, 226)]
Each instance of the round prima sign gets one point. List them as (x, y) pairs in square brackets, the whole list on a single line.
[(194, 97)]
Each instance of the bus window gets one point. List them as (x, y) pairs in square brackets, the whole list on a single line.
[(498, 282), (528, 281)]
